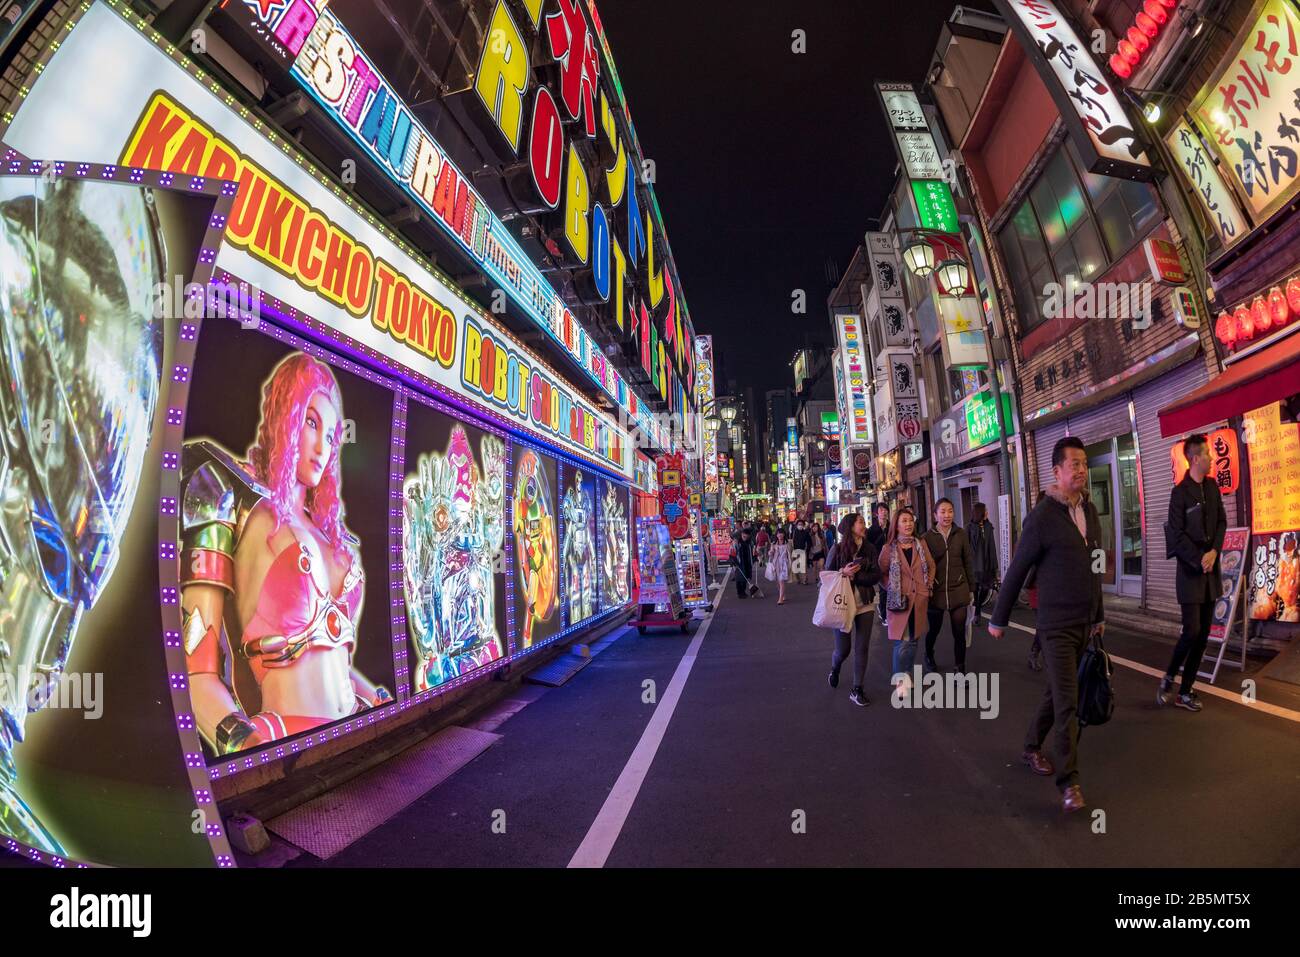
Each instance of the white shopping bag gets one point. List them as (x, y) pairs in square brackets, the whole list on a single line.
[(836, 604)]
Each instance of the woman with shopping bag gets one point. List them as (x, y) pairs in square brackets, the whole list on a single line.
[(909, 574), (778, 564), (854, 558)]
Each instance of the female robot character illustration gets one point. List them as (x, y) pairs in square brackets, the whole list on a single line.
[(453, 526), (535, 543), (579, 551), (266, 553), (81, 354)]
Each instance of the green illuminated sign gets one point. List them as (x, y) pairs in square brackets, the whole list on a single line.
[(982, 418), (935, 205)]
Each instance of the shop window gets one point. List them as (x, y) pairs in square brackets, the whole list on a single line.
[(1071, 227)]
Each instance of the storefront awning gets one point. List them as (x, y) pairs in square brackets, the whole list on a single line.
[(1268, 376)]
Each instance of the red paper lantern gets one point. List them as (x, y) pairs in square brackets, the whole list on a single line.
[(1122, 68), (1139, 39), (1278, 308), (1259, 312), (1154, 10), (1128, 52), (1293, 295), (1245, 323), (1225, 329), (1170, 4), (1146, 25)]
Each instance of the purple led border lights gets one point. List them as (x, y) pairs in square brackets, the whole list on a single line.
[(177, 679)]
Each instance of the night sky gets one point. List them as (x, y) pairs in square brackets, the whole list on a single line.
[(768, 163)]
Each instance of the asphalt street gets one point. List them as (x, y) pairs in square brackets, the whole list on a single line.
[(762, 764)]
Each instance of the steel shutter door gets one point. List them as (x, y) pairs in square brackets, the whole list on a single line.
[(1044, 441), (1156, 470)]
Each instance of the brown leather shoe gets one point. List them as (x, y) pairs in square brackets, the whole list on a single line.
[(1038, 761), (1072, 799)]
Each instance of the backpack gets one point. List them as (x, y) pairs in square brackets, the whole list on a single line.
[(1096, 696)]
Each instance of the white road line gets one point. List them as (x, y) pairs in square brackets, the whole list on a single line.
[(1235, 696), (596, 846)]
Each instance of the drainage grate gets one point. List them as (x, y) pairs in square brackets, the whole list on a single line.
[(328, 824), (557, 672)]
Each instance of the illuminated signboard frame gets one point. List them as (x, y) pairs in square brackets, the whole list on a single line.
[(475, 227), (1041, 27), (704, 396), (265, 158), (857, 430)]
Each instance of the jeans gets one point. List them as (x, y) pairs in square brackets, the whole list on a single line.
[(861, 639), (958, 618), (981, 594), (905, 649), (1060, 705), (1190, 649)]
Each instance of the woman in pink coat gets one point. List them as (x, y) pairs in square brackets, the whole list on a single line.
[(907, 579)]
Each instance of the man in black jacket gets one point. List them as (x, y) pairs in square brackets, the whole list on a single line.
[(879, 528), (744, 559), (1061, 538), (1197, 523)]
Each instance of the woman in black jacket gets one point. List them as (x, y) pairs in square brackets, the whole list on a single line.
[(855, 558), (952, 594), (984, 555)]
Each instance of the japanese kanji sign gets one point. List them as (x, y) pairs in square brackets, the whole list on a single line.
[(1093, 113), (1202, 175), (1250, 111)]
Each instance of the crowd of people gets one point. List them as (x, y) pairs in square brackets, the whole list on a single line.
[(911, 582)]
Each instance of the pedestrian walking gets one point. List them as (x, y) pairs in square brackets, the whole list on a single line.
[(954, 572), (984, 555), (831, 536), (879, 530), (762, 542), (743, 557), (817, 549), (801, 543), (1194, 533), (908, 571), (855, 558), (780, 563), (1061, 539)]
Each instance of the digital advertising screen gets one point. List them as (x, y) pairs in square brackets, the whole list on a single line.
[(91, 768), (453, 525), (615, 552), (284, 540), (578, 507), (535, 510)]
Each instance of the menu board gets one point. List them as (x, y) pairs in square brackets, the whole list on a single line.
[(1232, 565), (1275, 582), (1274, 450)]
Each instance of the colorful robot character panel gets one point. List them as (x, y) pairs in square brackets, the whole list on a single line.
[(82, 360), (453, 526), (613, 518), (535, 543), (579, 550), (274, 661)]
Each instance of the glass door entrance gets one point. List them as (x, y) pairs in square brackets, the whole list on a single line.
[(1113, 488), (1101, 489)]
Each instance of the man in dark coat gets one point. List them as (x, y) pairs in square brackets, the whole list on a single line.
[(1061, 539), (744, 559), (1197, 523)]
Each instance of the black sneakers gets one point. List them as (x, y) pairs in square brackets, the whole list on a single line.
[(859, 697), (1166, 692), (1189, 701), (931, 664)]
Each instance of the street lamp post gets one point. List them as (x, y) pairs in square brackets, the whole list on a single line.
[(953, 273)]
